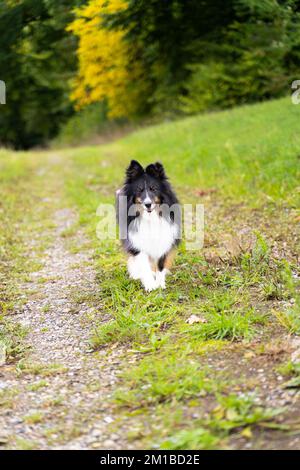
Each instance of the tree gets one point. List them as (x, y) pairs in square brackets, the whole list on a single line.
[(108, 69), (165, 32), (36, 62), (186, 55), (134, 53), (258, 60)]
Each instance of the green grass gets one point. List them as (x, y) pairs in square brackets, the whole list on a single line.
[(37, 385), (231, 413), (165, 378), (249, 153), (39, 369), (25, 444), (291, 370), (240, 411), (231, 325), (33, 418), (8, 397), (197, 439), (12, 336), (290, 318), (15, 220), (24, 209)]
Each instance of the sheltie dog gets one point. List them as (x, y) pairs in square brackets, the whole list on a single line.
[(151, 218)]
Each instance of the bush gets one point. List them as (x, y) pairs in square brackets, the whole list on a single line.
[(83, 125), (258, 60)]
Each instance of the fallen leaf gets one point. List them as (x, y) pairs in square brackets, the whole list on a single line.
[(195, 319), (231, 414), (219, 412), (205, 192), (249, 355), (247, 433)]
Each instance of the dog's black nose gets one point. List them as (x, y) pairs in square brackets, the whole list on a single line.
[(148, 206)]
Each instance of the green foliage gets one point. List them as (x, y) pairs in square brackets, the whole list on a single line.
[(11, 340), (165, 378), (236, 411), (83, 126), (290, 317), (289, 369), (165, 33), (292, 370), (233, 414), (36, 62), (232, 325), (257, 59), (191, 57), (42, 370), (256, 262), (90, 125), (195, 439), (211, 55), (251, 152), (281, 284)]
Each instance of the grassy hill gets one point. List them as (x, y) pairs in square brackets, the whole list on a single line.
[(254, 146), (202, 363)]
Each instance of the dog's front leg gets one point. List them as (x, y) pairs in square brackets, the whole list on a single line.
[(161, 278), (147, 275), (139, 267)]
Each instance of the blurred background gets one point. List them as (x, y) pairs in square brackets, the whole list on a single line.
[(77, 70)]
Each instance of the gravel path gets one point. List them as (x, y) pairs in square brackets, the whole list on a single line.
[(58, 398)]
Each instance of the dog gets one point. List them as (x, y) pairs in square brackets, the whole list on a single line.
[(152, 223)]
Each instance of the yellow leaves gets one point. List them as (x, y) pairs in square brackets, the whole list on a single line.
[(249, 355), (247, 433), (106, 66), (219, 412)]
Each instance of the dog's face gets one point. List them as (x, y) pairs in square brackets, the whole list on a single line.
[(146, 192), (146, 186)]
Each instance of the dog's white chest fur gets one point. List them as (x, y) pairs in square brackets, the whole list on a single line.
[(152, 234)]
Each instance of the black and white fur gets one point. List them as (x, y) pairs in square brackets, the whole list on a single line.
[(152, 233)]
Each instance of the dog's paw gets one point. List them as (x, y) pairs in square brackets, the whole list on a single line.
[(161, 280), (149, 284), (135, 277)]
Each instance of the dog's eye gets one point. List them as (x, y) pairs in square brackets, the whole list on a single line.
[(152, 188)]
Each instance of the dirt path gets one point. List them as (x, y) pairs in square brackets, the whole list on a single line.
[(56, 397)]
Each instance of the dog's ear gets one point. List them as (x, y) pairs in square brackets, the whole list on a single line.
[(157, 170), (134, 170)]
